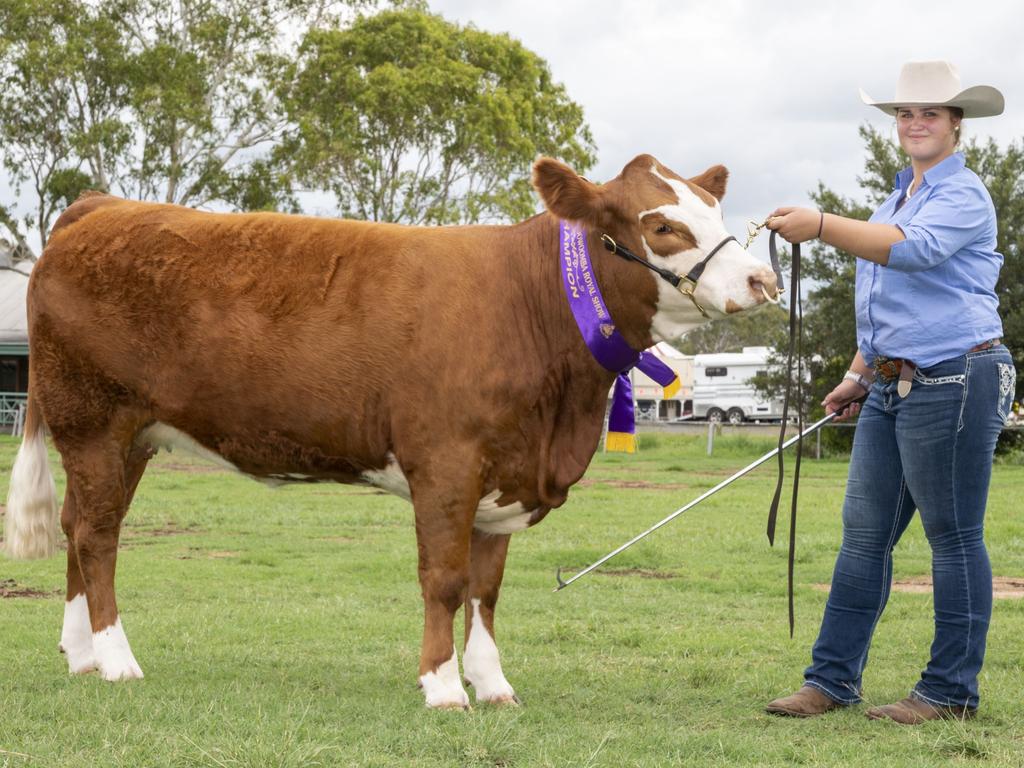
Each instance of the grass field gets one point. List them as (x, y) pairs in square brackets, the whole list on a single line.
[(282, 628)]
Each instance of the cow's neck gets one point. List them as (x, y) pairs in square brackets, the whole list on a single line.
[(629, 292)]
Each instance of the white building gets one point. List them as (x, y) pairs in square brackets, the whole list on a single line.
[(13, 322)]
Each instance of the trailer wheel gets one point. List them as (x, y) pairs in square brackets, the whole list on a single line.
[(716, 415), (735, 416)]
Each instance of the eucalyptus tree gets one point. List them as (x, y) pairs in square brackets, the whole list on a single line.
[(157, 100), (404, 116)]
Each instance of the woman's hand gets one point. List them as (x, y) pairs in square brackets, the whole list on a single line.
[(795, 224), (842, 400)]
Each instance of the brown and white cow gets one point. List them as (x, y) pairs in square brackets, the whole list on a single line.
[(441, 364)]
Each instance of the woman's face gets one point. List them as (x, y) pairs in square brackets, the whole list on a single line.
[(926, 133)]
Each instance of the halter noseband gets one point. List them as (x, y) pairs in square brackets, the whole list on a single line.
[(675, 280)]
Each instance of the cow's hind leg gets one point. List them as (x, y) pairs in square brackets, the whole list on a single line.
[(481, 663), (76, 640), (76, 635), (102, 477), (444, 523)]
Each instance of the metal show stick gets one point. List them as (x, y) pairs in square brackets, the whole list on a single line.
[(810, 430)]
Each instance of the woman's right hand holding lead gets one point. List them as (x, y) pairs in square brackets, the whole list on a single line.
[(844, 399)]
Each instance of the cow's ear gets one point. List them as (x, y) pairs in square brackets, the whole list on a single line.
[(713, 180), (567, 194)]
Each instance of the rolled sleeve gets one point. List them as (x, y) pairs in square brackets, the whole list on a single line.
[(954, 216)]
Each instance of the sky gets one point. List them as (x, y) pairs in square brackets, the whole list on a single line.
[(770, 90)]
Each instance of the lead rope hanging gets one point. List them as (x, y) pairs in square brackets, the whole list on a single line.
[(795, 344)]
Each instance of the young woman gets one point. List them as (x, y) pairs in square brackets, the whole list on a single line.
[(940, 386)]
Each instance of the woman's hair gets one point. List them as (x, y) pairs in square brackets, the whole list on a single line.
[(958, 113)]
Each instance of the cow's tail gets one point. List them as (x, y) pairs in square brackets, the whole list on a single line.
[(32, 520)]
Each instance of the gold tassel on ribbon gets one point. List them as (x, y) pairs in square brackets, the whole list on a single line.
[(620, 442)]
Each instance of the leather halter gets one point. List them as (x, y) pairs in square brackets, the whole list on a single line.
[(676, 281)]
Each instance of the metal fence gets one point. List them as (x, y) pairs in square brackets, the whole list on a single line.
[(12, 411)]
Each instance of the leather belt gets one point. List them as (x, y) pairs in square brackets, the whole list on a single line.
[(890, 369)]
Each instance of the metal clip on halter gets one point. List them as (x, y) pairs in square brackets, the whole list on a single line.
[(687, 291)]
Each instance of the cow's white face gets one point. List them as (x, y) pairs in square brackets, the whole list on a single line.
[(676, 222), (677, 235)]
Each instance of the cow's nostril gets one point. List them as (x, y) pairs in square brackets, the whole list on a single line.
[(766, 285)]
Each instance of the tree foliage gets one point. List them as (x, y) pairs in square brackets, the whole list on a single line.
[(406, 117), (145, 98), (401, 115), (768, 327)]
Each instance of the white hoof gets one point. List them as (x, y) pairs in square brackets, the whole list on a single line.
[(81, 662), (114, 656), (76, 637), (443, 688)]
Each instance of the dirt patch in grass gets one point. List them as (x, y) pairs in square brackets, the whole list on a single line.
[(195, 553), (10, 588), (134, 537), (1003, 587)]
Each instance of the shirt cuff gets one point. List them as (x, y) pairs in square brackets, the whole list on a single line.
[(901, 253)]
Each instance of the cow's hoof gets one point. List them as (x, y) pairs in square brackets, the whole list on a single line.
[(80, 664), (439, 698), (125, 670), (114, 656), (79, 656), (501, 701), (493, 689), (454, 707), (443, 687)]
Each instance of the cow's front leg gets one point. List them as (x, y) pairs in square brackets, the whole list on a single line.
[(444, 521), (481, 661)]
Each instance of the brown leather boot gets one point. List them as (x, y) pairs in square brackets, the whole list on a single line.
[(913, 710), (807, 702)]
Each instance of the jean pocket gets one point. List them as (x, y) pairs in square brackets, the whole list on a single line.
[(1007, 387)]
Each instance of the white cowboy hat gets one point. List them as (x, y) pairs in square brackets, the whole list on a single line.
[(937, 84)]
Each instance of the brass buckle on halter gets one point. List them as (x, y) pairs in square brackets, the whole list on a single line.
[(687, 287)]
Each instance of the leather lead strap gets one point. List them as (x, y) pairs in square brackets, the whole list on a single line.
[(692, 276), (795, 345)]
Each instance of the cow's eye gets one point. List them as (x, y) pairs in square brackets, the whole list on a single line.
[(663, 229)]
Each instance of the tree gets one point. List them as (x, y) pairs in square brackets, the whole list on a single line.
[(150, 99), (765, 328), (829, 316), (406, 117), (59, 110)]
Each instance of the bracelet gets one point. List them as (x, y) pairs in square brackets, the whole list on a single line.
[(821, 225), (859, 378)]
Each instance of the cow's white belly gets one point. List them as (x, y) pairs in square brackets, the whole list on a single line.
[(163, 436), (490, 518)]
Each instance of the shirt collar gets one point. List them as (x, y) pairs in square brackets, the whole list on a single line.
[(936, 173)]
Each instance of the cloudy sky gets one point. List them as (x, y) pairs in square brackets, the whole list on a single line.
[(768, 89)]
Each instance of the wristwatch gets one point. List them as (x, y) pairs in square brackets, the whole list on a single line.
[(859, 378)]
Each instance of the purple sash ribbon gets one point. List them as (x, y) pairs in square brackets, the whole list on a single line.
[(604, 340)]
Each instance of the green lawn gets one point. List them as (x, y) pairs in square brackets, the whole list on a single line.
[(282, 628)]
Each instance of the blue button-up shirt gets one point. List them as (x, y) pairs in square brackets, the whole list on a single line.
[(936, 298)]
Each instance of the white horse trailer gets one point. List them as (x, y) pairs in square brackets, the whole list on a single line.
[(723, 389)]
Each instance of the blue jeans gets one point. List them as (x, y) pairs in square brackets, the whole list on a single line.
[(931, 451)]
